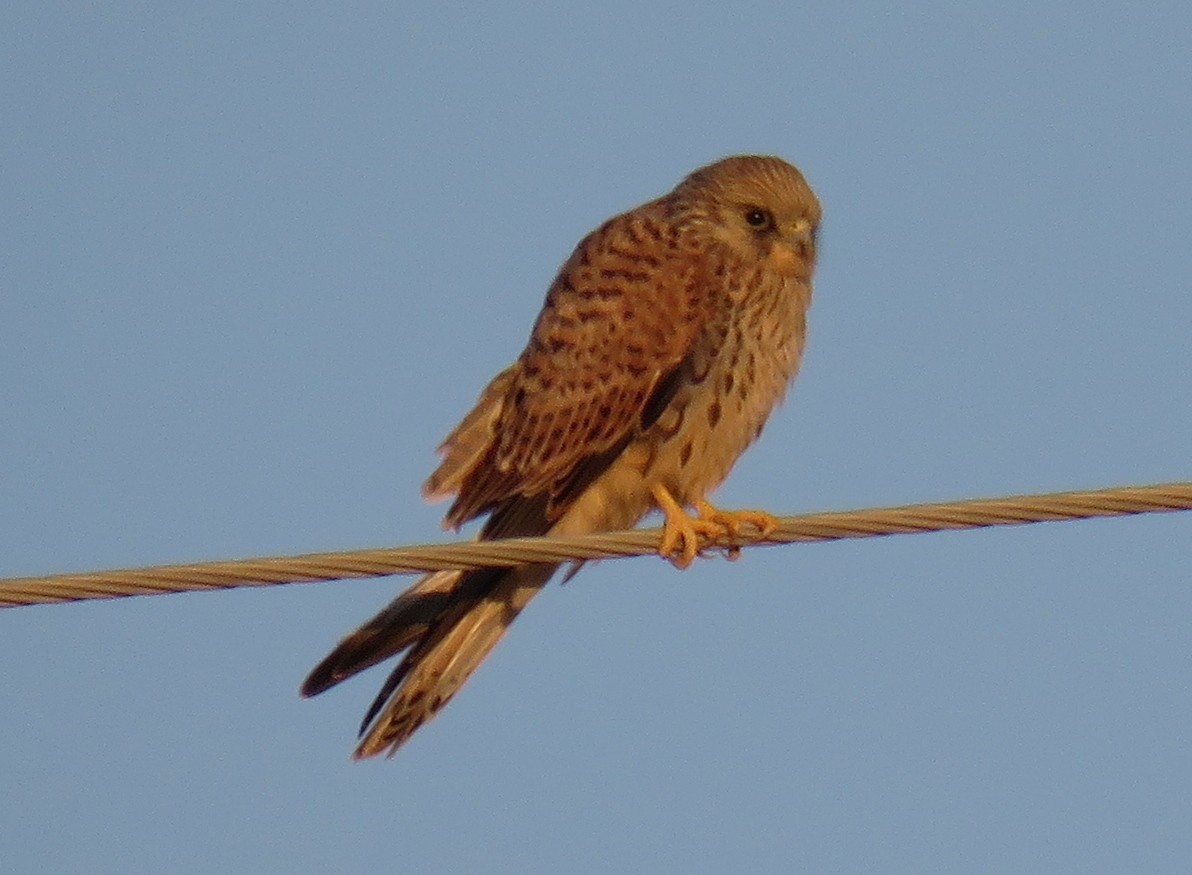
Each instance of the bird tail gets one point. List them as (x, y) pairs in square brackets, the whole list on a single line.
[(449, 621)]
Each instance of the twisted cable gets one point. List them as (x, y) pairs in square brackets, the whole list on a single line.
[(866, 523)]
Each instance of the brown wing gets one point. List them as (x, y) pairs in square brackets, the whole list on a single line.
[(619, 319), (464, 448)]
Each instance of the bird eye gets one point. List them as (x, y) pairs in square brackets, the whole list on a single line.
[(759, 219)]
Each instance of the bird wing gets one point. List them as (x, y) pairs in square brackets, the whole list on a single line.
[(618, 323)]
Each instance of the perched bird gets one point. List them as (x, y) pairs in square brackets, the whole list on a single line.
[(665, 341)]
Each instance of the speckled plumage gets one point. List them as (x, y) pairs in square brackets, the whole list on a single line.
[(664, 343)]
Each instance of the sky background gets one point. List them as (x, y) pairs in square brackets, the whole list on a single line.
[(257, 259)]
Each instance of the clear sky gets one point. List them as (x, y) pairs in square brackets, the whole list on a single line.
[(257, 259)]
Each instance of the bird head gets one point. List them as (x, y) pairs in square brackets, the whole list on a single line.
[(758, 205)]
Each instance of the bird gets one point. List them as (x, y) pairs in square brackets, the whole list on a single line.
[(664, 343)]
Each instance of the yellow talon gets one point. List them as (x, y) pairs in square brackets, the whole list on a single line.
[(682, 533), (733, 520)]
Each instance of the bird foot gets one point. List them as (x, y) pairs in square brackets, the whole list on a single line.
[(733, 521), (683, 535)]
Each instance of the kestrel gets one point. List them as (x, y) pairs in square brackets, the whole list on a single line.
[(665, 341)]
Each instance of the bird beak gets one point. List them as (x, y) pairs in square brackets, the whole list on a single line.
[(800, 235), (794, 250)]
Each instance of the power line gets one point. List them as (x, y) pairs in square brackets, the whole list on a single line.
[(869, 522)]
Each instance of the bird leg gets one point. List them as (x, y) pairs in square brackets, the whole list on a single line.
[(681, 532)]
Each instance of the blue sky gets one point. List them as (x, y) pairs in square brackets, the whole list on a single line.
[(259, 258)]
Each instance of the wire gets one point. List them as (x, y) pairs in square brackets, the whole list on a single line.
[(908, 519)]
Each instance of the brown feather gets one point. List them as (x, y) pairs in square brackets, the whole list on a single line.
[(594, 360), (463, 449)]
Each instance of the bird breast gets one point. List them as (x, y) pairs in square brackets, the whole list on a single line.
[(735, 377)]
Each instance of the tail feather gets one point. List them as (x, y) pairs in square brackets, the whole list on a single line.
[(450, 621), (398, 625)]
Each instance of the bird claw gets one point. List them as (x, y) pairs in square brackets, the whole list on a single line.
[(684, 536), (733, 521)]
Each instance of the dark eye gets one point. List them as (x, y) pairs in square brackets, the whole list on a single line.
[(760, 219)]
